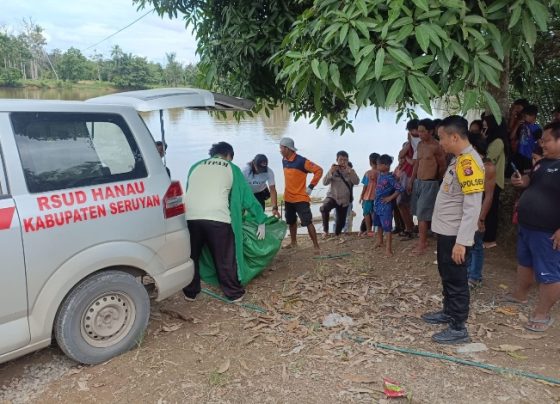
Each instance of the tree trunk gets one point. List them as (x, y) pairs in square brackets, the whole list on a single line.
[(507, 231), (501, 94)]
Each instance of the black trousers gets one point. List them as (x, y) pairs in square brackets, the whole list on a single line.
[(220, 240), (399, 222), (341, 212), (492, 218), (262, 197), (456, 297)]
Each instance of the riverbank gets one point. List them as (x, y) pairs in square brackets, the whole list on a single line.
[(53, 84), (297, 352)]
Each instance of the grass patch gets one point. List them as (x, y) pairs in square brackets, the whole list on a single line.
[(84, 84), (217, 379)]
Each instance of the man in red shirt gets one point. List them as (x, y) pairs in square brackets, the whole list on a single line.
[(296, 193)]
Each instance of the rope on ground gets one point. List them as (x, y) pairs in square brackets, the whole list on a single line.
[(379, 345), (466, 362), (330, 256), (225, 300)]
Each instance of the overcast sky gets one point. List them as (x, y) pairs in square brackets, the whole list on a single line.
[(82, 23)]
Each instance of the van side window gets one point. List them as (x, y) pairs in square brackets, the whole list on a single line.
[(66, 150)]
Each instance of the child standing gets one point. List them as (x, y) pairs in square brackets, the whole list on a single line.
[(368, 192), (387, 190)]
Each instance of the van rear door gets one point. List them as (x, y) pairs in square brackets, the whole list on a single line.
[(14, 326), (166, 98)]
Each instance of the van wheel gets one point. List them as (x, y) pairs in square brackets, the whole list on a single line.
[(103, 316)]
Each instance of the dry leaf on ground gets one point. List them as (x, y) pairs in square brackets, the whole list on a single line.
[(359, 378), (517, 356), (529, 336), (175, 314), (508, 310), (170, 327), (210, 333), (224, 367), (509, 348)]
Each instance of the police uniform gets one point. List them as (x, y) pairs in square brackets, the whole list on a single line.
[(455, 221)]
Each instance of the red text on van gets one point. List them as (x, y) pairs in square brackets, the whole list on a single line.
[(56, 201)]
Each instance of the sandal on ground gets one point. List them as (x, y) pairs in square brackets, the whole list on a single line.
[(474, 284), (490, 245), (289, 246), (536, 325), (325, 236), (508, 298)]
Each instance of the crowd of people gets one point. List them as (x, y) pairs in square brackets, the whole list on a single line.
[(449, 177)]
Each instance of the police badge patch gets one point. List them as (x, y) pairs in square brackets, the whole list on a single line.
[(469, 174)]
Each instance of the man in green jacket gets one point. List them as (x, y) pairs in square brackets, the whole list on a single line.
[(216, 195)]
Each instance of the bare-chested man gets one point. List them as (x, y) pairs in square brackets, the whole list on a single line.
[(429, 168), (408, 154)]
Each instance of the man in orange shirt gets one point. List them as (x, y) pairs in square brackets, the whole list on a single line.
[(296, 194)]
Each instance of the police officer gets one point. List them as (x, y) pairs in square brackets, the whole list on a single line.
[(455, 222)]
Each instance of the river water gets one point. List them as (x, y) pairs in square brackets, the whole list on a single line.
[(189, 135)]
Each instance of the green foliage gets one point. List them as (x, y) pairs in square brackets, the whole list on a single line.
[(25, 60), (173, 72), (541, 85), (322, 57), (129, 71), (10, 77), (72, 66)]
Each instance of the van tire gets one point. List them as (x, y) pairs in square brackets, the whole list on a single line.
[(103, 316)]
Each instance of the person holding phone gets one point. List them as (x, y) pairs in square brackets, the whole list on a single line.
[(340, 178), (538, 243)]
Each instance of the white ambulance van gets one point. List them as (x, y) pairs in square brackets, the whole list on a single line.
[(88, 214)]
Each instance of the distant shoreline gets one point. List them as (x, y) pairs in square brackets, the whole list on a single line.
[(54, 84)]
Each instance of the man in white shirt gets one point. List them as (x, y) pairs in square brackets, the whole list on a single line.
[(216, 194)]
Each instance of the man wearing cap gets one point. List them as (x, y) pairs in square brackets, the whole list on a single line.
[(455, 221), (296, 194)]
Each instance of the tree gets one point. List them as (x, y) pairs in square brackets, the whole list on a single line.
[(541, 85), (97, 59), (322, 57), (15, 53), (35, 41), (72, 65), (9, 74), (173, 71), (192, 75), (132, 72)]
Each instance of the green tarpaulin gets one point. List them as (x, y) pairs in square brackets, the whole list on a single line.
[(257, 254)]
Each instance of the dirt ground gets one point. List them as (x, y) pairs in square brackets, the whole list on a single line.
[(208, 351)]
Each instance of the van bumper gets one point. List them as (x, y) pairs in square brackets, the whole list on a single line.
[(173, 280)]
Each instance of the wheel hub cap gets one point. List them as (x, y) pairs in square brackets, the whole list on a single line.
[(108, 319)]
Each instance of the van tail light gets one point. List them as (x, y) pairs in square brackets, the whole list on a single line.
[(173, 200)]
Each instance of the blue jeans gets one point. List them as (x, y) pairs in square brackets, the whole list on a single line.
[(475, 259)]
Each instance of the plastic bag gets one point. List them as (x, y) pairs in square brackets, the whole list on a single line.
[(258, 254)]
